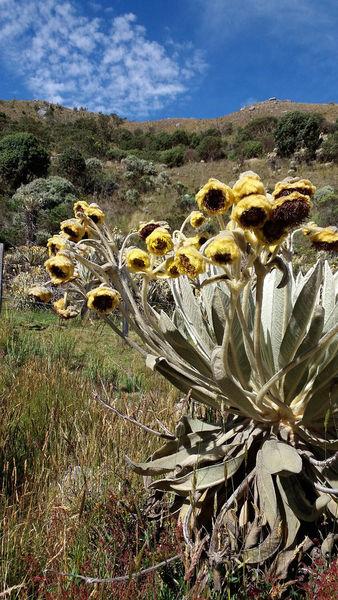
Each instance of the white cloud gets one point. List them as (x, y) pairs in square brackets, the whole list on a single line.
[(77, 60)]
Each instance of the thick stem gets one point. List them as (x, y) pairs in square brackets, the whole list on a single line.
[(260, 273)]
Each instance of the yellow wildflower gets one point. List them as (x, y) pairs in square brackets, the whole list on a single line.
[(251, 212), (95, 213), (215, 197), (74, 229), (146, 228), (322, 238), (137, 260), (60, 268), (222, 250), (304, 187), (103, 299), (56, 244), (40, 293), (291, 210), (197, 219), (189, 261), (79, 207), (64, 311), (159, 242), (248, 183), (171, 268), (197, 240)]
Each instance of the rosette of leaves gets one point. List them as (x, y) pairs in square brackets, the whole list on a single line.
[(259, 483)]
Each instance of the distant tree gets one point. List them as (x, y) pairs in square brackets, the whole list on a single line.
[(298, 129), (72, 165), (211, 148), (329, 148), (22, 158)]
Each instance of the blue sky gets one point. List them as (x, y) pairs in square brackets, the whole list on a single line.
[(148, 59)]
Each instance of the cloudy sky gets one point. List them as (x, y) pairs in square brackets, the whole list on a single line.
[(165, 58)]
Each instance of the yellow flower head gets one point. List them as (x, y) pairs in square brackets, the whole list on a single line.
[(40, 293), (222, 250), (304, 187), (79, 207), (146, 228), (215, 197), (60, 268), (248, 183), (64, 311), (137, 260), (189, 261), (251, 212), (196, 219), (74, 229), (197, 240), (94, 212), (322, 238), (103, 299), (171, 268), (291, 210), (159, 242), (56, 244)]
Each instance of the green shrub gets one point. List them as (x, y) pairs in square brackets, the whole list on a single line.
[(252, 149), (296, 129), (138, 166), (325, 206), (117, 154), (211, 147), (72, 165), (173, 157), (42, 203), (329, 148), (22, 158)]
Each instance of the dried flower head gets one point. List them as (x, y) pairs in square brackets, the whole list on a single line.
[(74, 229), (215, 197), (146, 228), (56, 244), (222, 250), (137, 260), (248, 183), (291, 210), (171, 268), (303, 187), (252, 212), (322, 238), (60, 268), (159, 242), (79, 207), (40, 293), (197, 219), (103, 300), (94, 212), (63, 310), (189, 261)]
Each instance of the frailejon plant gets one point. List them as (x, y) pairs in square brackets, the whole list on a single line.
[(249, 341)]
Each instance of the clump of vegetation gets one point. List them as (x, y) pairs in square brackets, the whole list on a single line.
[(22, 158), (297, 129)]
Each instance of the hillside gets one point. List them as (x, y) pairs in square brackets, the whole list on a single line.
[(42, 110)]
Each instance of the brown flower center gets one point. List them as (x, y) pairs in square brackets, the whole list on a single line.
[(292, 212), (273, 230), (138, 262), (186, 264), (327, 246), (71, 232), (58, 272), (253, 217), (103, 302), (214, 200), (222, 257), (160, 244)]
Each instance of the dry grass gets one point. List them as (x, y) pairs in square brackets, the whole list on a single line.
[(68, 502)]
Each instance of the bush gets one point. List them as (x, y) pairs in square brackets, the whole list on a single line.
[(297, 129), (211, 147), (174, 157), (132, 196), (42, 204), (22, 158), (72, 165), (116, 154), (329, 148), (138, 166), (252, 149), (325, 206)]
